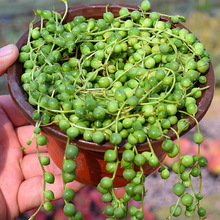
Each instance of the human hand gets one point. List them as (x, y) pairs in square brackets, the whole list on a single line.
[(21, 177), (8, 56)]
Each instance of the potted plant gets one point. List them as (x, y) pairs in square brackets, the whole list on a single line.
[(108, 88)]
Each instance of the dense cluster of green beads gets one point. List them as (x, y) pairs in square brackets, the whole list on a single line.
[(129, 77), (69, 175)]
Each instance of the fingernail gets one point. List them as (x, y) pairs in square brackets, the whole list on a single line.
[(4, 51)]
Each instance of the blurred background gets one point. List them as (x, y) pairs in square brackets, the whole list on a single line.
[(202, 18)]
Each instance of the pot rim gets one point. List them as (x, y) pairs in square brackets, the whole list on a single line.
[(18, 94)]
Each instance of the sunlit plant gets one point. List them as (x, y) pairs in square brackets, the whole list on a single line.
[(128, 78)]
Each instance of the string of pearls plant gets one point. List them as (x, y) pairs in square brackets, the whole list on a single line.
[(129, 77)]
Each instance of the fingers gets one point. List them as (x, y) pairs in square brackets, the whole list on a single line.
[(8, 56), (30, 193), (11, 111), (24, 135), (31, 167)]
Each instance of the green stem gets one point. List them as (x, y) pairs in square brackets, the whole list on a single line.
[(44, 183), (66, 10), (171, 214), (178, 139)]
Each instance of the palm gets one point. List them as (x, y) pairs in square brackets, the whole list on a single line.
[(20, 174)]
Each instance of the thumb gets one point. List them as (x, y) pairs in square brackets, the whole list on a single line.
[(8, 56)]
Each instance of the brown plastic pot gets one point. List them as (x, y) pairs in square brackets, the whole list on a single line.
[(90, 163)]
